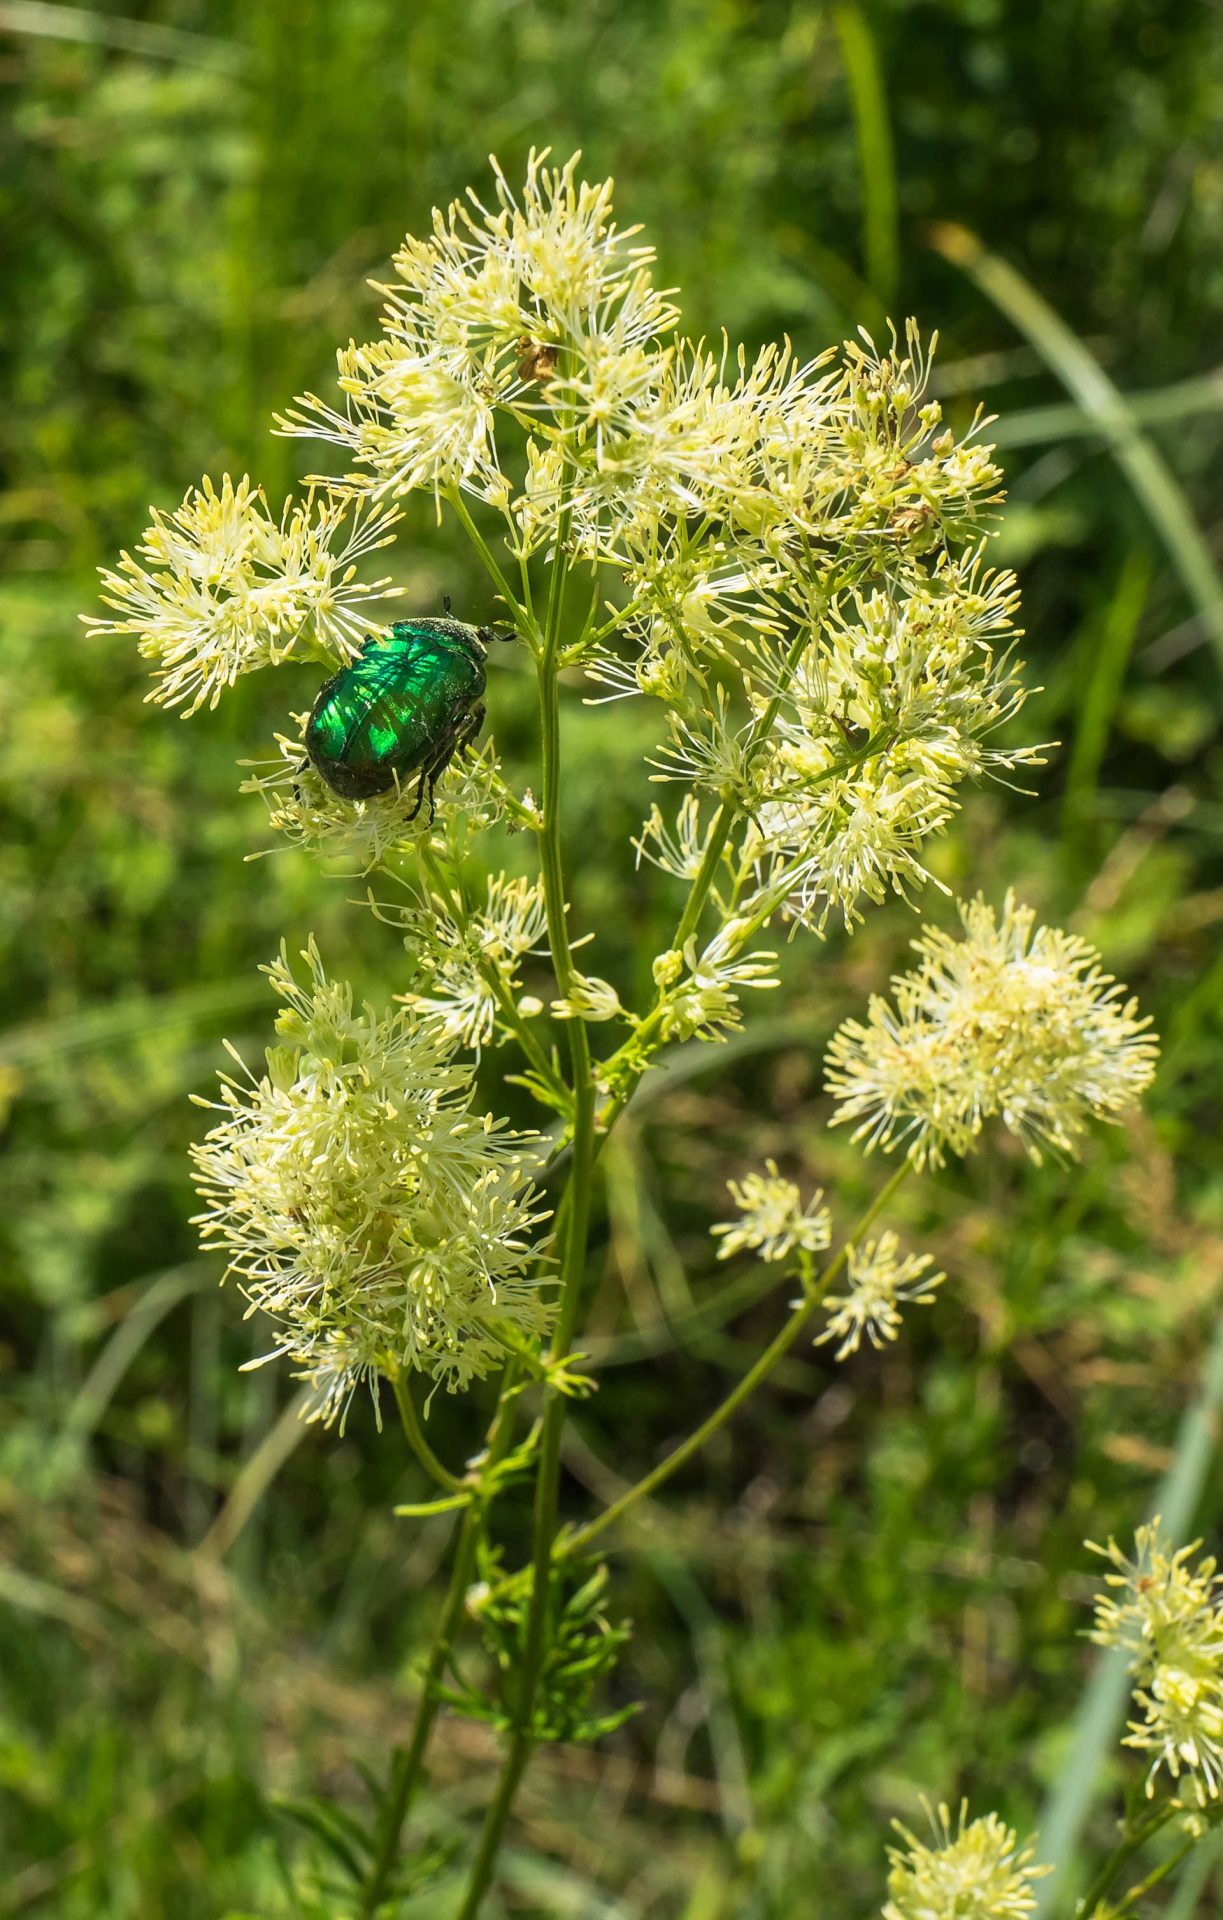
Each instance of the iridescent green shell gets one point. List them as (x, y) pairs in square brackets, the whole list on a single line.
[(399, 708)]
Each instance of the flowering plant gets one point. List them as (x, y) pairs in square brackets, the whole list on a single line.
[(789, 558)]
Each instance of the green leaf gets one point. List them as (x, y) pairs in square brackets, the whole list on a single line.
[(425, 1509), (337, 1831)]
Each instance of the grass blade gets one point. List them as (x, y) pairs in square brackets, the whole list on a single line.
[(129, 1019), (157, 1299), (876, 159), (1102, 1708), (1165, 406), (1082, 375), (256, 1476), (145, 38), (1098, 699)]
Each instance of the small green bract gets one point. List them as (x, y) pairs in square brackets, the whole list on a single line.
[(406, 705)]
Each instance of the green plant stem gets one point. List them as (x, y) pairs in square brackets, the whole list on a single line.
[(1161, 1872), (730, 807), (452, 1482), (498, 986), (573, 1253), (494, 1827), (1184, 1904), (521, 1031), (487, 557), (776, 1350), (699, 891), (409, 1760), (1125, 1850), (642, 1041)]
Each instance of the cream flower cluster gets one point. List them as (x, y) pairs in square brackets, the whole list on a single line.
[(365, 834), (794, 545), (978, 1871), (363, 1206), (890, 709), (808, 528), (1166, 1613), (1012, 1021), (864, 730), (827, 555), (534, 307), (771, 1218), (469, 962), (700, 986), (881, 1281), (221, 587)]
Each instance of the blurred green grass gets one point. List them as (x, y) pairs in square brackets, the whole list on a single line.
[(876, 1587)]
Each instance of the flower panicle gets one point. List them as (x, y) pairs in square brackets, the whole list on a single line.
[(1012, 1021), (751, 502), (975, 1870), (1164, 1608), (361, 1203), (220, 587)]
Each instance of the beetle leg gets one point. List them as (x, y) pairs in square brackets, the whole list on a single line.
[(471, 727), (420, 793), (433, 770), (437, 766), (461, 730)]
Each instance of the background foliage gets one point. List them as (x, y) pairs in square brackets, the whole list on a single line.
[(875, 1589)]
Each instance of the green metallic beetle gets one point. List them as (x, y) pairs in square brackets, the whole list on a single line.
[(406, 705)]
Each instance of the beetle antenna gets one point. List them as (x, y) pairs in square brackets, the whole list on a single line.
[(445, 603)]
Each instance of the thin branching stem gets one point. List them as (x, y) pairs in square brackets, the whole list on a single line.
[(452, 1482), (488, 559), (813, 1299), (1132, 1842), (408, 1763), (1152, 1879), (573, 1249)]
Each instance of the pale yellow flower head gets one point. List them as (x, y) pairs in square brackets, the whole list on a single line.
[(1167, 1614), (1013, 1021), (219, 587), (362, 1205), (772, 1220), (589, 998), (978, 1871), (531, 306), (703, 1002), (468, 962), (881, 1281)]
